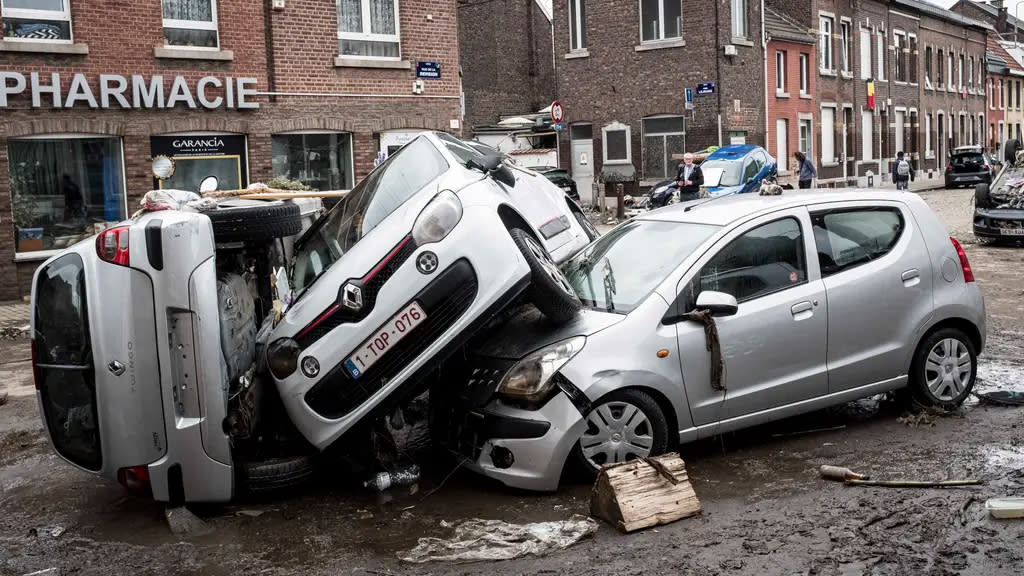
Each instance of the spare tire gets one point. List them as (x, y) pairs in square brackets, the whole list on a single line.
[(982, 199), (255, 220), (1010, 150)]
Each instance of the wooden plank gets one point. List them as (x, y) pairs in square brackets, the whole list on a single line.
[(636, 495), (292, 195)]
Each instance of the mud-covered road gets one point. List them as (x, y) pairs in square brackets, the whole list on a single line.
[(765, 510)]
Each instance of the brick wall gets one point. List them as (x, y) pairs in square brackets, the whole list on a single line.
[(791, 105), (617, 82), (506, 58)]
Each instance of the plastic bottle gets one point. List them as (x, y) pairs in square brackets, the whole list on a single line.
[(385, 480), (840, 474)]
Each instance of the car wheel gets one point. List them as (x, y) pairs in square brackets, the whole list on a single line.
[(622, 426), (255, 221), (944, 369), (260, 478), (981, 196), (552, 293), (588, 227)]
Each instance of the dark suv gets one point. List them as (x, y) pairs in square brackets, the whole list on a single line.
[(968, 167)]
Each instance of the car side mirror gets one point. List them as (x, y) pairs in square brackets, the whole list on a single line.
[(493, 166), (717, 303)]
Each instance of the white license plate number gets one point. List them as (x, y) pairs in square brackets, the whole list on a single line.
[(391, 333), (1012, 231)]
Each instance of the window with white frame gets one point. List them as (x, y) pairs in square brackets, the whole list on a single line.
[(780, 72), (190, 23), (846, 47), (928, 136), (899, 40), (806, 129), (939, 76), (960, 73), (970, 73), (739, 19), (881, 55), (825, 27), (805, 74), (663, 137), (865, 53), (615, 140), (660, 20), (867, 137), (828, 136), (912, 58), (782, 144), (949, 71), (36, 20), (368, 29), (577, 25)]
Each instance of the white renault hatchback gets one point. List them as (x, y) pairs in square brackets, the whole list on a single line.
[(158, 361)]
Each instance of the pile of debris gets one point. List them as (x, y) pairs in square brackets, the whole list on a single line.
[(1011, 193)]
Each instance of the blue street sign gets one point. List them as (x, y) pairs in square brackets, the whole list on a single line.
[(428, 70), (705, 89), (689, 94), (558, 127)]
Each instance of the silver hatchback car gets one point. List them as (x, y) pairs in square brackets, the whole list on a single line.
[(818, 298)]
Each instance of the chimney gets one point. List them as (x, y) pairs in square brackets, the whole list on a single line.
[(1001, 24)]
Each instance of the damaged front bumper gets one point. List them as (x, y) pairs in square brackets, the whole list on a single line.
[(999, 223)]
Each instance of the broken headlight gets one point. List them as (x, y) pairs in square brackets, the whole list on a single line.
[(283, 357), (530, 381)]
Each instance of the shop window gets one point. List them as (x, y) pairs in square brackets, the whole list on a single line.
[(320, 161), (616, 140), (64, 190), (368, 29), (36, 20), (190, 23), (660, 20), (577, 25), (200, 162), (663, 138)]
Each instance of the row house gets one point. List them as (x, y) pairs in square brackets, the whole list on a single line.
[(791, 90), (191, 93)]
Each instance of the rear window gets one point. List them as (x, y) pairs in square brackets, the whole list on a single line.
[(64, 363), (849, 238), (968, 159)]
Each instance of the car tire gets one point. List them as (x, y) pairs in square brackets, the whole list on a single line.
[(255, 222), (552, 293), (982, 199), (1010, 151), (587, 225), (655, 426), (268, 477), (937, 374)]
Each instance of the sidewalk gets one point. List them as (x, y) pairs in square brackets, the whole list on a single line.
[(14, 314), (919, 185)]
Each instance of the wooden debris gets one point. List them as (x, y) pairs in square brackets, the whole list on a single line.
[(643, 493)]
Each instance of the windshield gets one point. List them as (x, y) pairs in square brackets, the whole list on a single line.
[(616, 273), (405, 173), (729, 170)]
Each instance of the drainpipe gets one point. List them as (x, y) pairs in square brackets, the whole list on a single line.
[(718, 70), (764, 85)]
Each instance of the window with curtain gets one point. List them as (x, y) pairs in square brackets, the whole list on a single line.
[(36, 20), (660, 20), (912, 58), (900, 63), (846, 46), (828, 135), (881, 55), (805, 73), (320, 161), (663, 137), (577, 25), (865, 53), (825, 44), (63, 189), (616, 137), (928, 67), (739, 19), (805, 136), (190, 23), (368, 29), (938, 71)]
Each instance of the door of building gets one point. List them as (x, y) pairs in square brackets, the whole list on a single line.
[(901, 143), (582, 148)]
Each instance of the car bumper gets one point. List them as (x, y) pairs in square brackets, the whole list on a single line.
[(480, 243), (965, 179), (524, 449), (999, 224)]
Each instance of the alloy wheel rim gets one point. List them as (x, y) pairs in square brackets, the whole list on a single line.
[(550, 268), (616, 432), (948, 369)]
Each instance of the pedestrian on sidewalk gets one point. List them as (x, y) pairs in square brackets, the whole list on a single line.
[(902, 172), (805, 170)]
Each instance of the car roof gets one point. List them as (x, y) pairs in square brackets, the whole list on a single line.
[(732, 151), (725, 210)]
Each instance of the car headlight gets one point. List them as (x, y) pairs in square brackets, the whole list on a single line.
[(283, 357), (530, 379), (438, 219)]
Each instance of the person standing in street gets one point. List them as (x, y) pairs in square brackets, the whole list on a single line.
[(805, 169), (902, 172), (689, 179)]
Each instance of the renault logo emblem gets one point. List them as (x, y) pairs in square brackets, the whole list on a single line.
[(352, 297), (115, 367), (427, 262)]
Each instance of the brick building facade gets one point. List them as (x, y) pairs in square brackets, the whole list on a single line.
[(229, 89), (791, 87), (622, 76), (507, 61)]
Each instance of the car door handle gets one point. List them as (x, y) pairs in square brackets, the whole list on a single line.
[(911, 277), (802, 310)]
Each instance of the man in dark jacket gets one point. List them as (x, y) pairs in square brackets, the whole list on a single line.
[(902, 172), (689, 179)]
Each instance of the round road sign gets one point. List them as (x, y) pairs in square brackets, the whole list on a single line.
[(557, 112)]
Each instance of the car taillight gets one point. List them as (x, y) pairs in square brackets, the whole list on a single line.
[(112, 245), (135, 478), (985, 167), (964, 264), (949, 168)]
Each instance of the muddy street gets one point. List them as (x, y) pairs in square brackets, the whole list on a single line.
[(765, 511)]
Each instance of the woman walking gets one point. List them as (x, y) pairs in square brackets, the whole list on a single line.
[(805, 169)]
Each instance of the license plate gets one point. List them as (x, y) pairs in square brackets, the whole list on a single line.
[(1012, 231), (376, 346)]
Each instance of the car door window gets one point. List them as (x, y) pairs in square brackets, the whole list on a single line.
[(750, 170), (849, 238), (764, 260)]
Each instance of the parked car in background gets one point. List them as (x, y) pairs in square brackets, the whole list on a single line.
[(792, 282), (161, 363), (737, 169), (969, 166), (560, 177)]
